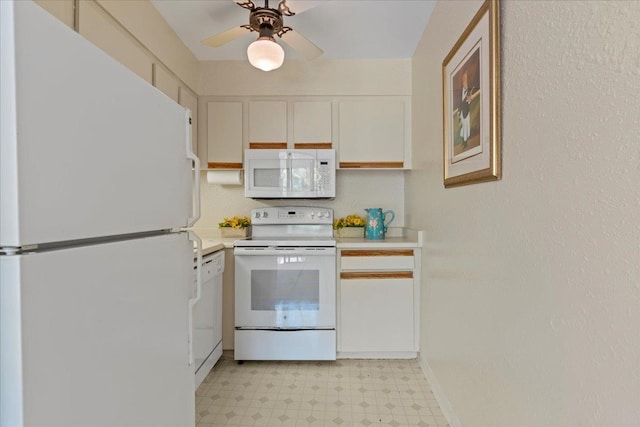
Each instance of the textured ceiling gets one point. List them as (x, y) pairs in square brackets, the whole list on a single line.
[(342, 28)]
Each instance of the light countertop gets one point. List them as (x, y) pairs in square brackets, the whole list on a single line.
[(211, 240), (396, 237)]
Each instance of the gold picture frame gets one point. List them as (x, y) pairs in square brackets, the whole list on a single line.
[(471, 102)]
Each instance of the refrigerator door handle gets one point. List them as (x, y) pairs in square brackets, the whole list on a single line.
[(196, 173), (193, 301)]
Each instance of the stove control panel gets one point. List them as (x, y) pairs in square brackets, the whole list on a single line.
[(292, 215)]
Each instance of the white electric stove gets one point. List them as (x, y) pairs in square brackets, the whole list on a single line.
[(285, 286)]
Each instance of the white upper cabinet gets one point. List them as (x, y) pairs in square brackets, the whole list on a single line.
[(190, 101), (312, 124), (374, 133), (166, 82), (268, 124), (367, 132), (224, 135), (61, 9), (106, 33)]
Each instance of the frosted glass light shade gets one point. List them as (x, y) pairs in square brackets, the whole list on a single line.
[(265, 54)]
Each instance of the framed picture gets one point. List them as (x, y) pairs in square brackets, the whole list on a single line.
[(471, 102)]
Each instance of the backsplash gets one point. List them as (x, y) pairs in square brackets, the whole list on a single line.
[(355, 191)]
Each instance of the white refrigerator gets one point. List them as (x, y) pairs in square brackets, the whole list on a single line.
[(96, 181)]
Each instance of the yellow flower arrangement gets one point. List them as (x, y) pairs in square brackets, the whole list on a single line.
[(352, 220), (238, 222)]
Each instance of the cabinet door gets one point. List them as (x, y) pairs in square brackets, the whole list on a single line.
[(268, 124), (187, 100), (61, 9), (312, 124), (224, 135), (98, 27), (163, 80), (376, 314), (372, 133)]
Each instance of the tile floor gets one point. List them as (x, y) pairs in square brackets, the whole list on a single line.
[(341, 393)]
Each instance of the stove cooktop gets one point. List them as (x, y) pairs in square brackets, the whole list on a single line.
[(290, 226)]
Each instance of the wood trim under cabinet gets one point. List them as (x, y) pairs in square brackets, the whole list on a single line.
[(372, 165), (222, 165), (313, 145), (376, 252), (268, 145), (376, 275)]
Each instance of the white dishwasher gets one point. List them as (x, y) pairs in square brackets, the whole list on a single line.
[(207, 316)]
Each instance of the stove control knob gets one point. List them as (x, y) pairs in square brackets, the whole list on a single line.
[(257, 215), (312, 214), (265, 214)]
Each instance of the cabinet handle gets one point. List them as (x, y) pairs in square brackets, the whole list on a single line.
[(377, 252), (268, 145), (382, 165), (377, 275), (313, 145), (223, 165)]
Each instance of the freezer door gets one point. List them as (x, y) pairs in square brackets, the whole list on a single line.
[(98, 335), (88, 148)]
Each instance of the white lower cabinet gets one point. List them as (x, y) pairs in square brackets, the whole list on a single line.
[(377, 315), (378, 294)]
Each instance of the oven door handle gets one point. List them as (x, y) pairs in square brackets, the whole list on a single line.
[(284, 251)]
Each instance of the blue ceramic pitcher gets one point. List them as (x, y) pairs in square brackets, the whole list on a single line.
[(376, 226)]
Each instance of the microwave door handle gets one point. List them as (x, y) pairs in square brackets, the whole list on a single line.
[(289, 172)]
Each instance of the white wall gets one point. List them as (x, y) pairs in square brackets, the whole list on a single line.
[(531, 285), (298, 77), (356, 189)]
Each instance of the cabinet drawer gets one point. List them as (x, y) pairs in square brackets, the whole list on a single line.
[(389, 259)]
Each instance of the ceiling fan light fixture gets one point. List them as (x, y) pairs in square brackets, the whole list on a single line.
[(265, 54)]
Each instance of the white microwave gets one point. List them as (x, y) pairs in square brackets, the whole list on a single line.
[(290, 174)]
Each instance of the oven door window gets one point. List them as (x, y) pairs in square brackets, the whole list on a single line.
[(285, 291), (290, 290)]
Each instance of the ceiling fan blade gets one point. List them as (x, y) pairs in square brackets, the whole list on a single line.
[(225, 37), (301, 44)]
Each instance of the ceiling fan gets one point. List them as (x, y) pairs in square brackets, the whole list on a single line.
[(265, 53)]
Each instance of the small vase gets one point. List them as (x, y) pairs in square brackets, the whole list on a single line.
[(228, 232), (351, 232)]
